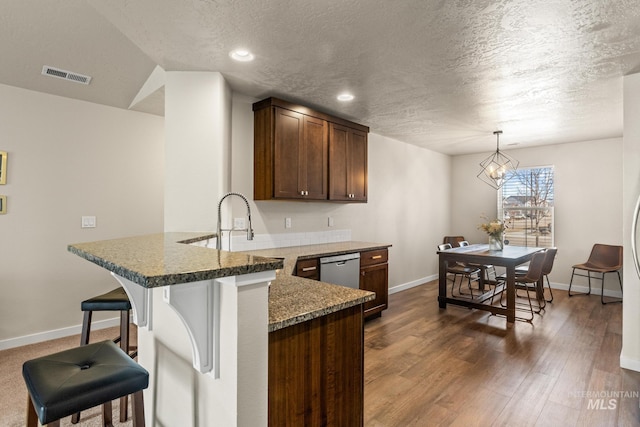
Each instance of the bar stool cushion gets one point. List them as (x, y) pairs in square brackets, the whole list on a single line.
[(116, 300), (73, 380)]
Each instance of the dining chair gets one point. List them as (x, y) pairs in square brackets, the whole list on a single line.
[(529, 282), (603, 259), (546, 269), (486, 270), (454, 241), (471, 273)]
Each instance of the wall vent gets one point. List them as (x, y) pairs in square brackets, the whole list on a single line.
[(66, 75)]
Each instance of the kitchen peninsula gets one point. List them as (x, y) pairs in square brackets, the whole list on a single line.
[(216, 310)]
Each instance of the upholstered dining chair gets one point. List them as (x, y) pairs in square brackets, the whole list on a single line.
[(546, 270), (488, 271), (471, 273), (603, 259), (454, 241), (529, 282)]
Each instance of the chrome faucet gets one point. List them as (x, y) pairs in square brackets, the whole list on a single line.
[(219, 229)]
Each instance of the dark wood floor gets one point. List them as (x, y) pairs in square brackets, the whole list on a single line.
[(428, 367)]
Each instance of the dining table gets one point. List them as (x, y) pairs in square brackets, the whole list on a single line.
[(509, 257)]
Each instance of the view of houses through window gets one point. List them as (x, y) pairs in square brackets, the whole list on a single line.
[(525, 205)]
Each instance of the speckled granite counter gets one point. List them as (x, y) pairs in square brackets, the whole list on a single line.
[(167, 259), (295, 299)]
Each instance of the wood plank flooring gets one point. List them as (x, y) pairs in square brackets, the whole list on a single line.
[(426, 366), (459, 367)]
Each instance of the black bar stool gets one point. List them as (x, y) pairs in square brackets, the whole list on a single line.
[(74, 380), (115, 300)]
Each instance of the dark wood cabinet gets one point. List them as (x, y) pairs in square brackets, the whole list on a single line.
[(292, 158), (308, 268), (316, 371), (347, 164), (291, 151), (374, 277)]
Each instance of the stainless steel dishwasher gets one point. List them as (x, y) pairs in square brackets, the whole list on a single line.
[(341, 270)]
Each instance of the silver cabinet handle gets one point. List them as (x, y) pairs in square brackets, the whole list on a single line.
[(308, 268), (376, 257), (304, 193)]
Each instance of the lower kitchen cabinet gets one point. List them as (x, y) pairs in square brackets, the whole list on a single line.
[(308, 268), (316, 371), (374, 277)]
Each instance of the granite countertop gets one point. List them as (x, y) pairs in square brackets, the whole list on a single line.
[(295, 299), (168, 259)]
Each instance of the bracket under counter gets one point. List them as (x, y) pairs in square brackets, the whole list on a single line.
[(198, 305)]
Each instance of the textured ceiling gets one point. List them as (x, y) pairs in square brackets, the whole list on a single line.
[(439, 74)]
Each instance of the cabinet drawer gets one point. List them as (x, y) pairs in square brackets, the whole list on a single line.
[(308, 268), (379, 256)]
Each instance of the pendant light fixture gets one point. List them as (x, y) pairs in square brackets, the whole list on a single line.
[(495, 167)]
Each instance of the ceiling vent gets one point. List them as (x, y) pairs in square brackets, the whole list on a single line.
[(66, 75)]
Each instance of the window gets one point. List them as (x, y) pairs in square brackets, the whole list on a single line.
[(525, 204)]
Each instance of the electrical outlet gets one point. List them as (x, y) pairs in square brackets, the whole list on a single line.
[(330, 222), (287, 223), (88, 222), (239, 223)]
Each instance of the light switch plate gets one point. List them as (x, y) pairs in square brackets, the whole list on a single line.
[(287, 223), (88, 222)]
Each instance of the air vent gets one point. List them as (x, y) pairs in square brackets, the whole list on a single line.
[(66, 75)]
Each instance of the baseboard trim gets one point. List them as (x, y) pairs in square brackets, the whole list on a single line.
[(631, 364), (558, 286), (584, 289), (56, 333), (108, 323), (412, 284)]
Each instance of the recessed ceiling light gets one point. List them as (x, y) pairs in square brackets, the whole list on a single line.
[(241, 55), (345, 97)]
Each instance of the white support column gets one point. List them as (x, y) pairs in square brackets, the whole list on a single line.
[(197, 149), (220, 327)]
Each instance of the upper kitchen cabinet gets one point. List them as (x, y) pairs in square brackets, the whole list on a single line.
[(347, 164), (292, 159)]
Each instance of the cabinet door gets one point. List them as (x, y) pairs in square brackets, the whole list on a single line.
[(375, 278), (338, 166), (347, 164), (288, 154), (315, 151), (316, 371), (357, 158)]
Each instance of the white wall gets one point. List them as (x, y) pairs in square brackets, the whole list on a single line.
[(588, 199), (197, 138), (630, 355), (70, 158), (407, 203), (67, 159)]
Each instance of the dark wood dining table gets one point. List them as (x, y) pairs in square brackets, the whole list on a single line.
[(510, 257)]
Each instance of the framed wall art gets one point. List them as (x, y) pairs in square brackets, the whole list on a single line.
[(3, 205), (3, 167)]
